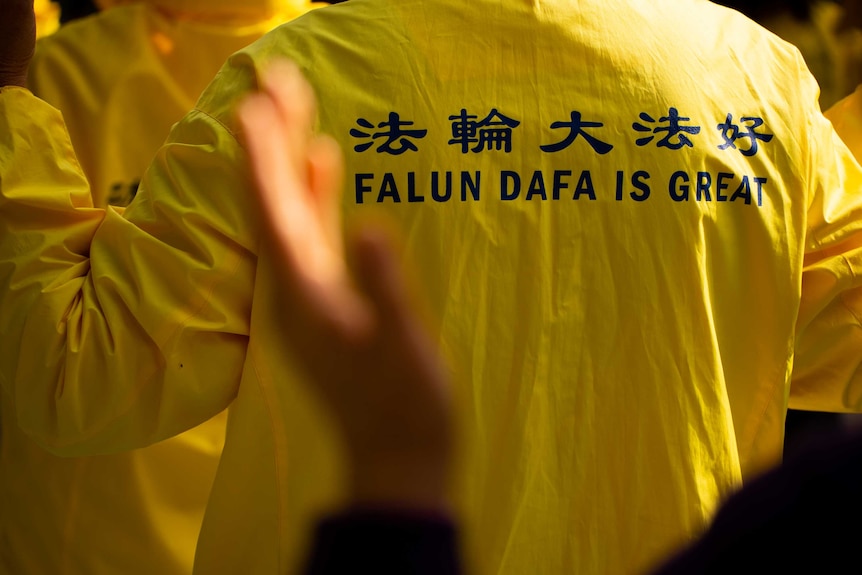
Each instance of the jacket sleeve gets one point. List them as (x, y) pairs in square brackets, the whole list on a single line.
[(120, 329), (827, 370), (385, 542)]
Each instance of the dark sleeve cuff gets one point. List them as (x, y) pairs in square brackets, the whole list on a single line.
[(384, 542)]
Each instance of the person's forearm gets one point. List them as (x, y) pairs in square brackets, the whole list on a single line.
[(110, 326)]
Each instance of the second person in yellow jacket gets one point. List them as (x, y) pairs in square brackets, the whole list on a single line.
[(121, 79)]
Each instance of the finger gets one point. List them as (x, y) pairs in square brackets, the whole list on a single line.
[(287, 203), (295, 102), (384, 284), (309, 264), (304, 161), (343, 311), (326, 168), (264, 140), (380, 276)]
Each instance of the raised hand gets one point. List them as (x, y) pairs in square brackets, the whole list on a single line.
[(358, 338)]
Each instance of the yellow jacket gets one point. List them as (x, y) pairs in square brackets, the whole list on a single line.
[(638, 248), (161, 62), (121, 79), (846, 116)]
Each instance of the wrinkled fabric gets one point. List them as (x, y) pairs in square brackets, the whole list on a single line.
[(846, 116), (633, 244), (121, 79)]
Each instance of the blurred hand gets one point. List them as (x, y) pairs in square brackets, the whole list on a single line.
[(17, 41), (365, 352)]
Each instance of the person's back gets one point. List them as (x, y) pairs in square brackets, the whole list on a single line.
[(122, 78), (609, 205), (610, 217)]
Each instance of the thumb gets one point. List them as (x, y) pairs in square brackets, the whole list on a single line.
[(379, 275)]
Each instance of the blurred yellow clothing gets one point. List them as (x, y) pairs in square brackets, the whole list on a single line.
[(832, 52), (47, 17), (121, 79), (638, 249), (844, 45), (846, 116), (136, 512), (135, 58), (222, 10)]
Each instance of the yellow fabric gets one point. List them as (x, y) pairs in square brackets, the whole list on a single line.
[(159, 67), (832, 53), (846, 116), (220, 9), (121, 78), (47, 17), (624, 363)]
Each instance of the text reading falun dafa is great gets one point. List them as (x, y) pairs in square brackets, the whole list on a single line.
[(494, 133)]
